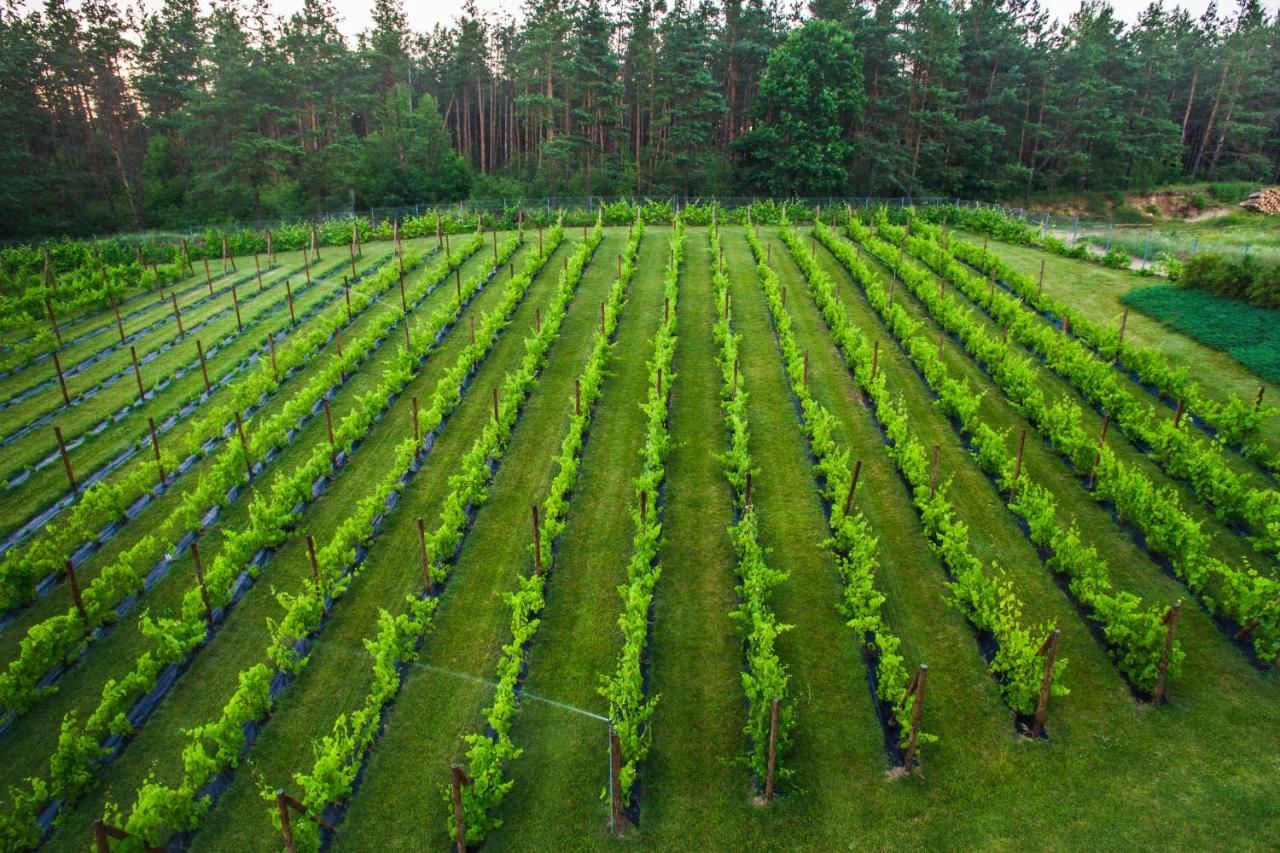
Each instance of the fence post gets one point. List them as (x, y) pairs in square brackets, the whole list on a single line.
[(62, 383)]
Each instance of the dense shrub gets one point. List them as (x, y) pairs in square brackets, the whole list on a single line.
[(1234, 278)]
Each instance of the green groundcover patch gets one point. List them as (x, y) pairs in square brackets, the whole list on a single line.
[(1248, 334)]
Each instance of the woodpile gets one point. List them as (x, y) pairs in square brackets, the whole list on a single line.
[(1263, 201)]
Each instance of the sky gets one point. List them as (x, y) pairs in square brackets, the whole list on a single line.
[(425, 14)]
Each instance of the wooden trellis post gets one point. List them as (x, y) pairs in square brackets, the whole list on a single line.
[(155, 446), (244, 443), (1177, 416), (915, 690), (74, 586), (424, 557), (617, 819), (1049, 651), (933, 471), (537, 542), (66, 460), (328, 424), (853, 485), (495, 404), (458, 779), (1017, 466), (346, 294), (772, 761), (62, 382), (284, 805), (207, 276), (137, 373), (306, 265), (116, 310), (404, 302), (204, 368), (457, 283), (177, 314), (1097, 456), (204, 590), (235, 299), (1171, 622), (257, 264), (288, 289), (1124, 321), (104, 832), (1040, 282), (311, 555), (271, 347), (417, 439), (875, 358), (577, 397)]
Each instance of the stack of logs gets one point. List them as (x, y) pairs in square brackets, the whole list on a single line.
[(1263, 201)]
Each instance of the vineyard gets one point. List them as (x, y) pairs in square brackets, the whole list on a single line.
[(781, 526)]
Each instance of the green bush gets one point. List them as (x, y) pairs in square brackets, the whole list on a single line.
[(1244, 279), (1232, 192), (1116, 259), (1197, 201)]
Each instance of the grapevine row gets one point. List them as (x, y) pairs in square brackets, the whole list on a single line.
[(1135, 632), (987, 599), (624, 689), (1250, 599), (341, 753)]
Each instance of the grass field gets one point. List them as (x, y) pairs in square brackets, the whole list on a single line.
[(353, 688)]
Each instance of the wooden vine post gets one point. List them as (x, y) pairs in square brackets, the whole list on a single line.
[(258, 266), (806, 369), (404, 302), (62, 382), (417, 439), (617, 820), (244, 443), (771, 766), (457, 283), (177, 314), (115, 308), (74, 586), (137, 373), (1177, 416), (271, 348), (933, 471), (155, 446), (286, 804), (204, 590), (746, 494), (915, 691), (1124, 321), (103, 833), (353, 257), (328, 424), (204, 368), (346, 294), (875, 358), (1170, 620), (1040, 282), (1017, 465), (1097, 456), (537, 543), (577, 397), (424, 557), (495, 404), (458, 779), (853, 485), (311, 555), (208, 277), (66, 460), (1049, 651), (288, 289), (271, 248), (235, 299), (53, 321)]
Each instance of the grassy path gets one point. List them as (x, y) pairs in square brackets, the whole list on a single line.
[(696, 649), (836, 735), (444, 696), (564, 764)]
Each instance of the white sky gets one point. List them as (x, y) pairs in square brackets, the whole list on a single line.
[(425, 14)]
